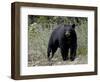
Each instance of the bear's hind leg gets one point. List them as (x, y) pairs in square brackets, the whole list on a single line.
[(54, 49), (51, 52)]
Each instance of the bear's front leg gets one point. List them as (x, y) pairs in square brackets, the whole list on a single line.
[(73, 53), (64, 53)]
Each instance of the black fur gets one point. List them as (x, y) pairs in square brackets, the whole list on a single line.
[(65, 38)]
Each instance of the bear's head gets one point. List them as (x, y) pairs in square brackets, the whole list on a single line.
[(69, 29)]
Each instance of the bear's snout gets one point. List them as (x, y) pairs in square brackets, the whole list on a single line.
[(67, 34)]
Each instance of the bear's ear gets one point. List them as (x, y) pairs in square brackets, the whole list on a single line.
[(73, 25)]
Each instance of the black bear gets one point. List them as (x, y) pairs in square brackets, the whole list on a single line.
[(64, 37)]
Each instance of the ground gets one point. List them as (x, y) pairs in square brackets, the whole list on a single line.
[(57, 60)]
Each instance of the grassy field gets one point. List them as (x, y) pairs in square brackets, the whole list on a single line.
[(38, 40)]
